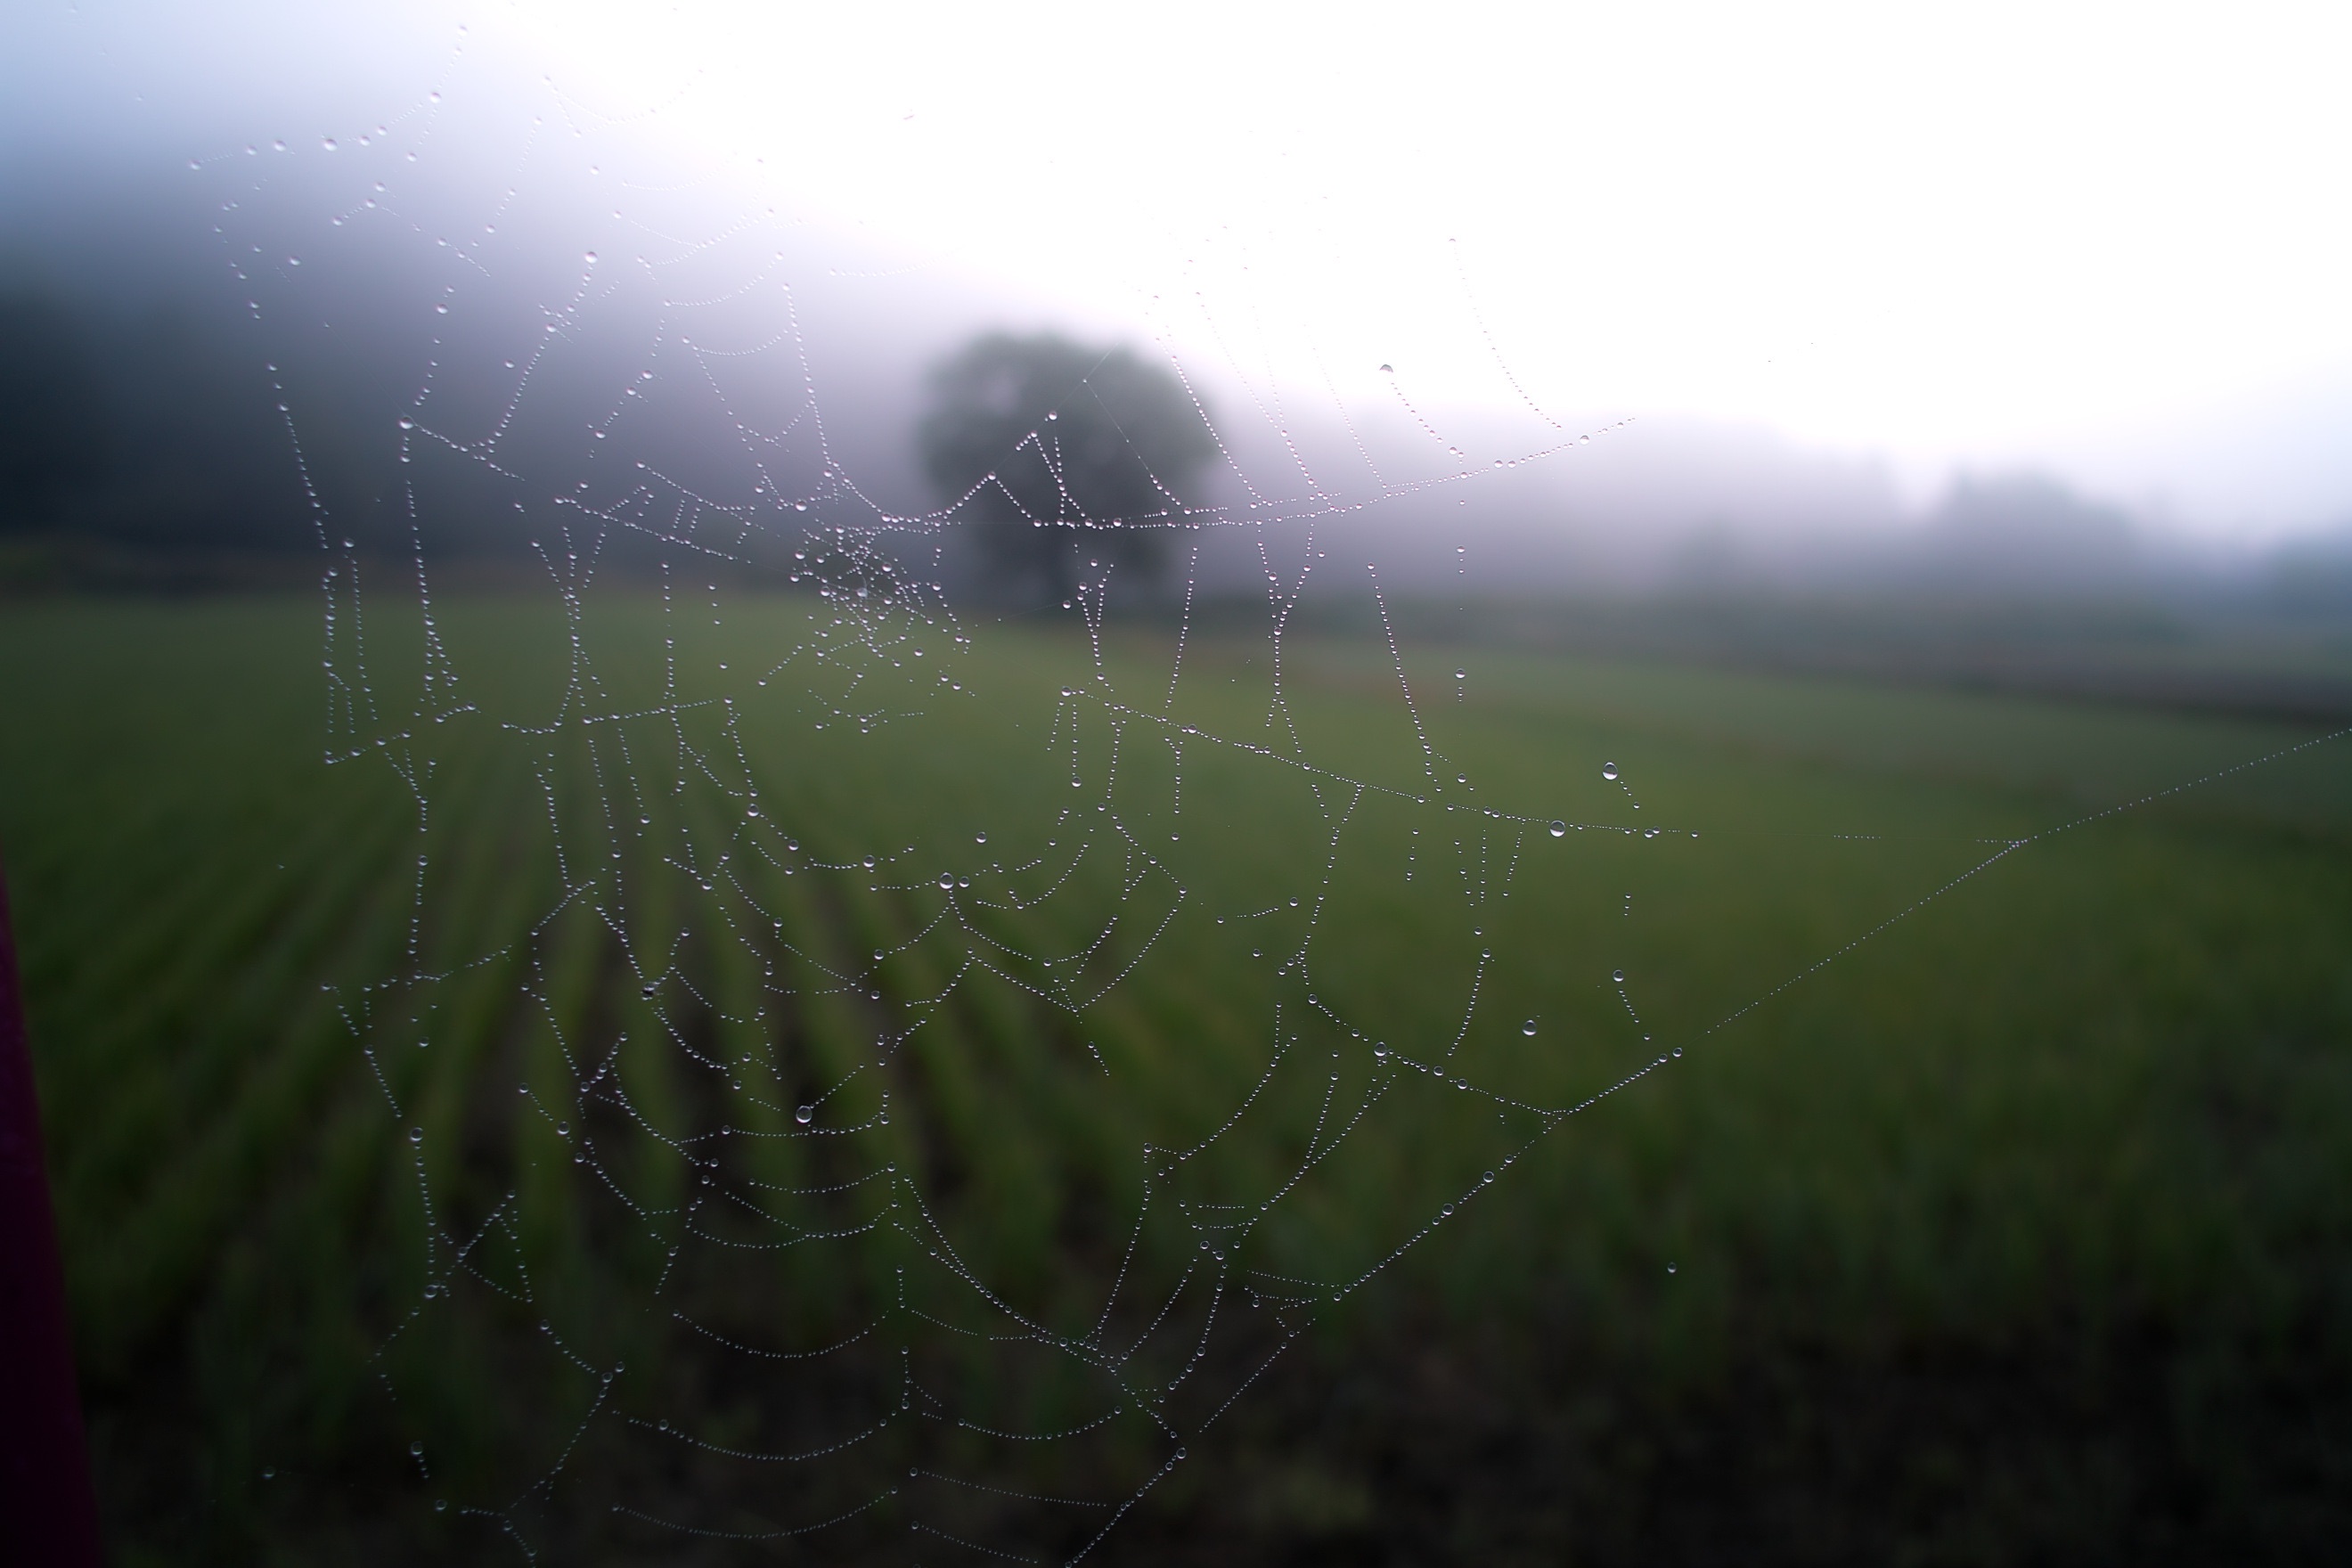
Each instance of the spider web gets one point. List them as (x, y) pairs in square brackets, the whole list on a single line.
[(872, 1078)]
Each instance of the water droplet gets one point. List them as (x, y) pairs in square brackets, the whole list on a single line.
[(1559, 830), (268, 1472), (804, 1115), (416, 1135), (328, 143), (1671, 1267), (947, 883), (563, 1130), (590, 257), (1609, 770), (1461, 674), (1529, 1027), (1618, 975), (1388, 370), (869, 865), (416, 1450)]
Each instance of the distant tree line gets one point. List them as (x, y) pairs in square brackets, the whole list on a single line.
[(143, 426)]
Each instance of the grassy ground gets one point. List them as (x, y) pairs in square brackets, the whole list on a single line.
[(2022, 1230)]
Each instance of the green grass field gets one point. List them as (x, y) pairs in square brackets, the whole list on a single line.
[(2022, 1230)]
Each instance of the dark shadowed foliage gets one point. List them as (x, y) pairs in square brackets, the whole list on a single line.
[(52, 429), (1059, 453), (138, 419)]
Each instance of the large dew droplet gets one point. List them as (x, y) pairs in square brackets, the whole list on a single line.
[(1529, 1027), (1559, 830), (1609, 770), (1618, 975), (804, 1115)]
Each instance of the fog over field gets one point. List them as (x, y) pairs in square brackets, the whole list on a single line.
[(139, 412), (1975, 435)]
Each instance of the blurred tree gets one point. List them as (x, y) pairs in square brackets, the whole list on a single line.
[(1060, 453)]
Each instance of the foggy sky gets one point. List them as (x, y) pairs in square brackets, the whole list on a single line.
[(1830, 268)]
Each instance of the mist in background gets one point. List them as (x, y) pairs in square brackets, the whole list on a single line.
[(1952, 318)]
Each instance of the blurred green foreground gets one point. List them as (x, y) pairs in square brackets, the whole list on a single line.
[(2020, 1231)]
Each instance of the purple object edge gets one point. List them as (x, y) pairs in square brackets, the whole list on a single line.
[(48, 1509)]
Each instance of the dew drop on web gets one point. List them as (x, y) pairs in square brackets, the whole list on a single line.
[(1618, 975), (1559, 830), (1609, 770), (1529, 1027), (804, 1115)]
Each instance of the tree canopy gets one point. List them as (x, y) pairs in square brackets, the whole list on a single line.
[(1059, 453)]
